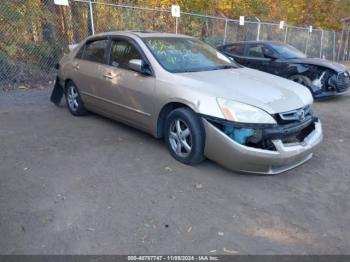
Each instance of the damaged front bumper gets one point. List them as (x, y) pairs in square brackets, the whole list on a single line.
[(279, 148), (327, 94), (336, 85)]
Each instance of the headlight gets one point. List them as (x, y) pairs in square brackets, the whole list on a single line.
[(244, 113)]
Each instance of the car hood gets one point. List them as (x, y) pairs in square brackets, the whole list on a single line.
[(268, 92), (319, 62)]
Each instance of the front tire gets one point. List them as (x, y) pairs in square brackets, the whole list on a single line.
[(74, 102), (185, 137), (300, 79), (305, 81)]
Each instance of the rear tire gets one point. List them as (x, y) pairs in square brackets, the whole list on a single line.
[(185, 137), (74, 102)]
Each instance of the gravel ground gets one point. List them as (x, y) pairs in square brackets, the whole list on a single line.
[(89, 185)]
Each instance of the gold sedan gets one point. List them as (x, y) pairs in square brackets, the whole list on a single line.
[(203, 104)]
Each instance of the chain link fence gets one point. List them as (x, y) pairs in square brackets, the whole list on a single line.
[(35, 34)]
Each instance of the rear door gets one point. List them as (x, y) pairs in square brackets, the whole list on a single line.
[(128, 94), (236, 51), (89, 67)]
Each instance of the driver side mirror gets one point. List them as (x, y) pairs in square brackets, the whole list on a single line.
[(139, 66)]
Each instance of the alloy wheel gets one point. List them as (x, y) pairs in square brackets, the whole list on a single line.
[(72, 98), (180, 138)]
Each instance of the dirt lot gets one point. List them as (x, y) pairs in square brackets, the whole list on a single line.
[(93, 186)]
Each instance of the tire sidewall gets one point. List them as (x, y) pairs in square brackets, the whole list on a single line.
[(194, 123), (306, 82), (81, 109)]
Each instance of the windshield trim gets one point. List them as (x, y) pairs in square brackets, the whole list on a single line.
[(202, 69)]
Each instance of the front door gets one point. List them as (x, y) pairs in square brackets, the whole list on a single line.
[(129, 94)]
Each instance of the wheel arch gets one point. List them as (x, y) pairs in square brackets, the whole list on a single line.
[(166, 109), (66, 81)]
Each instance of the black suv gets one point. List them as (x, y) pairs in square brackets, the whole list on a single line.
[(322, 77)]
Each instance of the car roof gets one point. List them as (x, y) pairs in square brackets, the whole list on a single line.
[(255, 42), (140, 34)]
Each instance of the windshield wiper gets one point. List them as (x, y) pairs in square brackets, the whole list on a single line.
[(204, 69), (224, 67)]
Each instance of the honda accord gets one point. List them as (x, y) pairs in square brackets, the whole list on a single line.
[(203, 104)]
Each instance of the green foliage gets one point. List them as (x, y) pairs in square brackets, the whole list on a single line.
[(42, 54), (213, 41), (37, 32), (10, 13), (7, 68)]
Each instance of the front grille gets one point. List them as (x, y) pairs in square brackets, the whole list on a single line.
[(343, 81), (297, 115)]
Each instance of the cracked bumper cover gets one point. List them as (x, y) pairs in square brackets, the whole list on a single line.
[(234, 156), (339, 83), (328, 94)]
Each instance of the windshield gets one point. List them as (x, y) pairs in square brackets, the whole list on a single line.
[(178, 55), (287, 51)]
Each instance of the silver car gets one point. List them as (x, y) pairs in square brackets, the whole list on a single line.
[(203, 104)]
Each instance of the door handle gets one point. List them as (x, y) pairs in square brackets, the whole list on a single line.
[(109, 75), (76, 66)]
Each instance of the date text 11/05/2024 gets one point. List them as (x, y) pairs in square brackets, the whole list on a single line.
[(173, 258)]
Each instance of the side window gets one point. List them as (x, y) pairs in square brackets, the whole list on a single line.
[(256, 50), (96, 51), (80, 52), (122, 52), (235, 49), (268, 52)]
